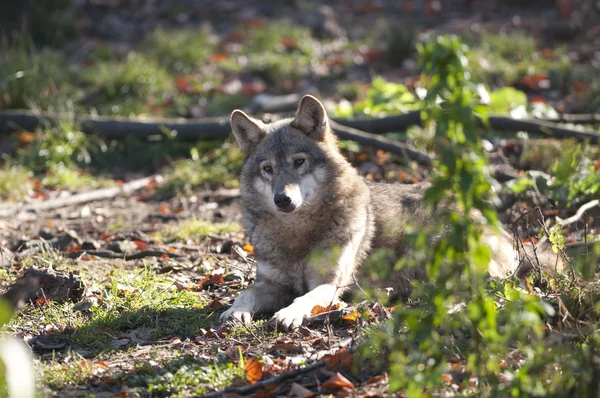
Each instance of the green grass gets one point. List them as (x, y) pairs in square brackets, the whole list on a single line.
[(32, 78), (194, 229), (130, 300), (180, 51), (128, 87), (141, 299), (62, 144), (278, 50), (176, 375), (184, 376), (73, 179), (209, 165), (15, 182)]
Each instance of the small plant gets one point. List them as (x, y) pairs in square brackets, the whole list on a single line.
[(383, 98), (194, 230), (62, 144), (207, 165), (574, 178), (15, 182), (456, 317)]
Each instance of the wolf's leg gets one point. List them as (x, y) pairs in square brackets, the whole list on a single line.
[(260, 297), (291, 317)]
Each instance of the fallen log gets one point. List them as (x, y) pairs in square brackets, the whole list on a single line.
[(123, 256), (218, 128), (383, 143), (85, 197)]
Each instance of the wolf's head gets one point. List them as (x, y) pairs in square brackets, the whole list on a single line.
[(289, 163)]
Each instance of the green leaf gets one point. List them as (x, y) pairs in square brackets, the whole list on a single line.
[(507, 98)]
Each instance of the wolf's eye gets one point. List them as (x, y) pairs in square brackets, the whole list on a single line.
[(299, 162), (268, 169)]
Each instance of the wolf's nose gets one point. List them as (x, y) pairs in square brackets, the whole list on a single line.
[(282, 200)]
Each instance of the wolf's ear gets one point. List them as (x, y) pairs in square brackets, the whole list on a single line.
[(311, 118), (247, 131)]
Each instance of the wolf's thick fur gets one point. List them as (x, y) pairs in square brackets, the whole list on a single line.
[(313, 220)]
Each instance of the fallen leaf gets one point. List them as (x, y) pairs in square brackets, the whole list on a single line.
[(447, 379), (377, 378), (541, 100), (102, 364), (163, 209), (223, 329), (26, 137), (105, 236), (40, 195), (337, 382), (73, 248), (215, 304), (140, 245), (211, 280), (263, 394), (530, 239), (253, 369), (181, 83), (181, 286), (218, 57), (298, 391), (317, 309), (289, 44), (42, 301), (351, 318), (578, 86), (339, 361), (287, 347)]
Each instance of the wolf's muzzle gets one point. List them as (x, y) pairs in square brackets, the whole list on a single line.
[(284, 202)]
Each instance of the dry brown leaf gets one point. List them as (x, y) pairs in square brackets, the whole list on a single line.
[(317, 309), (339, 361), (351, 318), (223, 329), (447, 378), (253, 369), (105, 236), (298, 391), (377, 378), (163, 209), (337, 382), (140, 245), (215, 304)]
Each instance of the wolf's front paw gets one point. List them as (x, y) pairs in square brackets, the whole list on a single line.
[(289, 318), (236, 315)]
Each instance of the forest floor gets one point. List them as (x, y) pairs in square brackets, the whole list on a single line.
[(135, 281)]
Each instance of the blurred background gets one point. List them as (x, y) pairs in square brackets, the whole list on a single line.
[(197, 59)]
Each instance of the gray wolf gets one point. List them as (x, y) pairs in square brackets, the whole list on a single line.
[(300, 195)]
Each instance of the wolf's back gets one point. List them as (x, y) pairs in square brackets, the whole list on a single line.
[(396, 205)]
